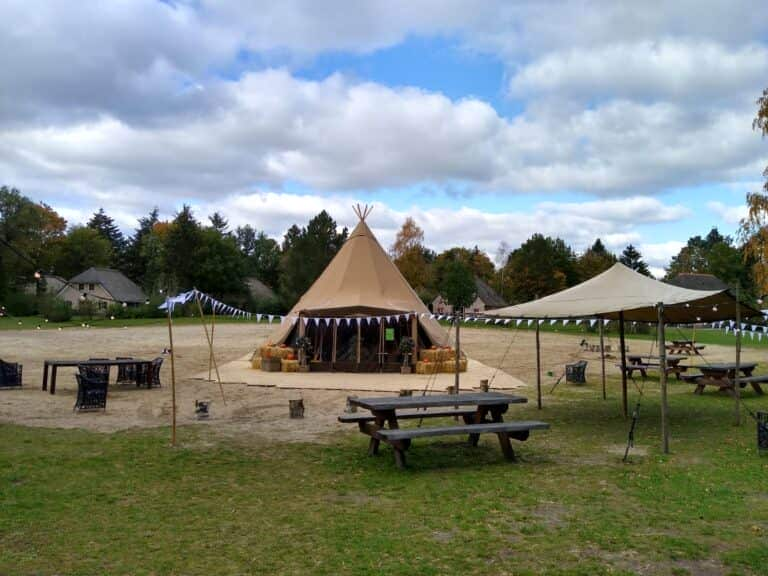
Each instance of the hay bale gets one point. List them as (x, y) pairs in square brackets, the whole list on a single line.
[(277, 352), (437, 354), (256, 362), (427, 367), (449, 366), (289, 365)]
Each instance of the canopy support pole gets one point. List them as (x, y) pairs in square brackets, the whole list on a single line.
[(359, 335), (663, 380), (415, 337), (173, 376), (623, 365), (602, 358), (736, 376), (457, 319), (333, 350), (538, 365)]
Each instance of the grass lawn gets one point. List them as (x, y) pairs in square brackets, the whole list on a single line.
[(32, 322), (75, 502)]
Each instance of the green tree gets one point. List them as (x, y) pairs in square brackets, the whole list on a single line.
[(458, 285), (594, 261), (306, 253), (219, 223), (540, 266), (182, 244), (220, 269), (261, 252), (29, 235), (631, 258), (81, 249), (106, 227), (475, 259), (135, 260)]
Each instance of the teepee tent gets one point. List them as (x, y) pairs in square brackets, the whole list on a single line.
[(359, 309)]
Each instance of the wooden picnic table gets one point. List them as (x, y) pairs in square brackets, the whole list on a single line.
[(723, 375), (642, 363), (686, 347), (474, 408), (54, 365)]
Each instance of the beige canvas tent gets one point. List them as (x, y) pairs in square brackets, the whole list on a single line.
[(359, 309), (622, 294)]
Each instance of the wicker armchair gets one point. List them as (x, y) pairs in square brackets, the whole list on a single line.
[(94, 372), (576, 372), (91, 394), (10, 374), (126, 373)]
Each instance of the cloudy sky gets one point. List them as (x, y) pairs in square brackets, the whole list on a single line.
[(485, 120)]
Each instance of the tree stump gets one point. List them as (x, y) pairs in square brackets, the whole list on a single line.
[(296, 408), (451, 389), (484, 385), (405, 392), (350, 407)]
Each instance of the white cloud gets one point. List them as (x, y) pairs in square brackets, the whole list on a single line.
[(648, 70), (728, 214)]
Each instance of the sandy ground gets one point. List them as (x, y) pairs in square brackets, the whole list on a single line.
[(257, 410)]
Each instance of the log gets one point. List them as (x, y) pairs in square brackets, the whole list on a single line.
[(296, 408)]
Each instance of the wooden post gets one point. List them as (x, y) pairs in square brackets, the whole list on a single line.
[(663, 380), (173, 376), (415, 336), (210, 348), (602, 357), (623, 347), (736, 376), (381, 345), (359, 336), (538, 365), (457, 319), (213, 328), (296, 408), (335, 336)]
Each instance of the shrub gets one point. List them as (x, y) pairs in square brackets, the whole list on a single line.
[(21, 304), (59, 311)]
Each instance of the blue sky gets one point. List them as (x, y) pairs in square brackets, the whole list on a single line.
[(486, 121)]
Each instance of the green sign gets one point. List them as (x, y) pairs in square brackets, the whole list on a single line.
[(389, 334)]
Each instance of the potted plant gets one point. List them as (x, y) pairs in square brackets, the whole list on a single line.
[(304, 347), (406, 349)]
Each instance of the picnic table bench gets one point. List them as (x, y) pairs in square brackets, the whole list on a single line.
[(723, 376), (642, 364), (474, 408), (686, 347)]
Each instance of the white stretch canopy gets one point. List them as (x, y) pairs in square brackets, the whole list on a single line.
[(622, 290)]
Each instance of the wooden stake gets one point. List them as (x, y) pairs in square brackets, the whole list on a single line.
[(663, 380), (602, 357), (415, 337), (173, 378), (623, 347), (210, 348), (538, 365), (737, 375), (335, 336), (213, 328)]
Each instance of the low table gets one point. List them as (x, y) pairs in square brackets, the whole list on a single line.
[(643, 363), (686, 347), (54, 365)]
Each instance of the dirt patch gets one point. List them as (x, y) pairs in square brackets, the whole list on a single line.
[(261, 412)]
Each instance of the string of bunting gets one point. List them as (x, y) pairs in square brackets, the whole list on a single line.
[(729, 326)]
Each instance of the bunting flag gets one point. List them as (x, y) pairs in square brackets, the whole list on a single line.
[(579, 321), (553, 322), (565, 322), (592, 322), (517, 322)]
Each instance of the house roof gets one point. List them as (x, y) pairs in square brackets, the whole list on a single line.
[(694, 281), (622, 290), (488, 295), (361, 280), (119, 286)]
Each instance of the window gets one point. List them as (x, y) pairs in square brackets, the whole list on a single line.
[(91, 286), (81, 287)]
